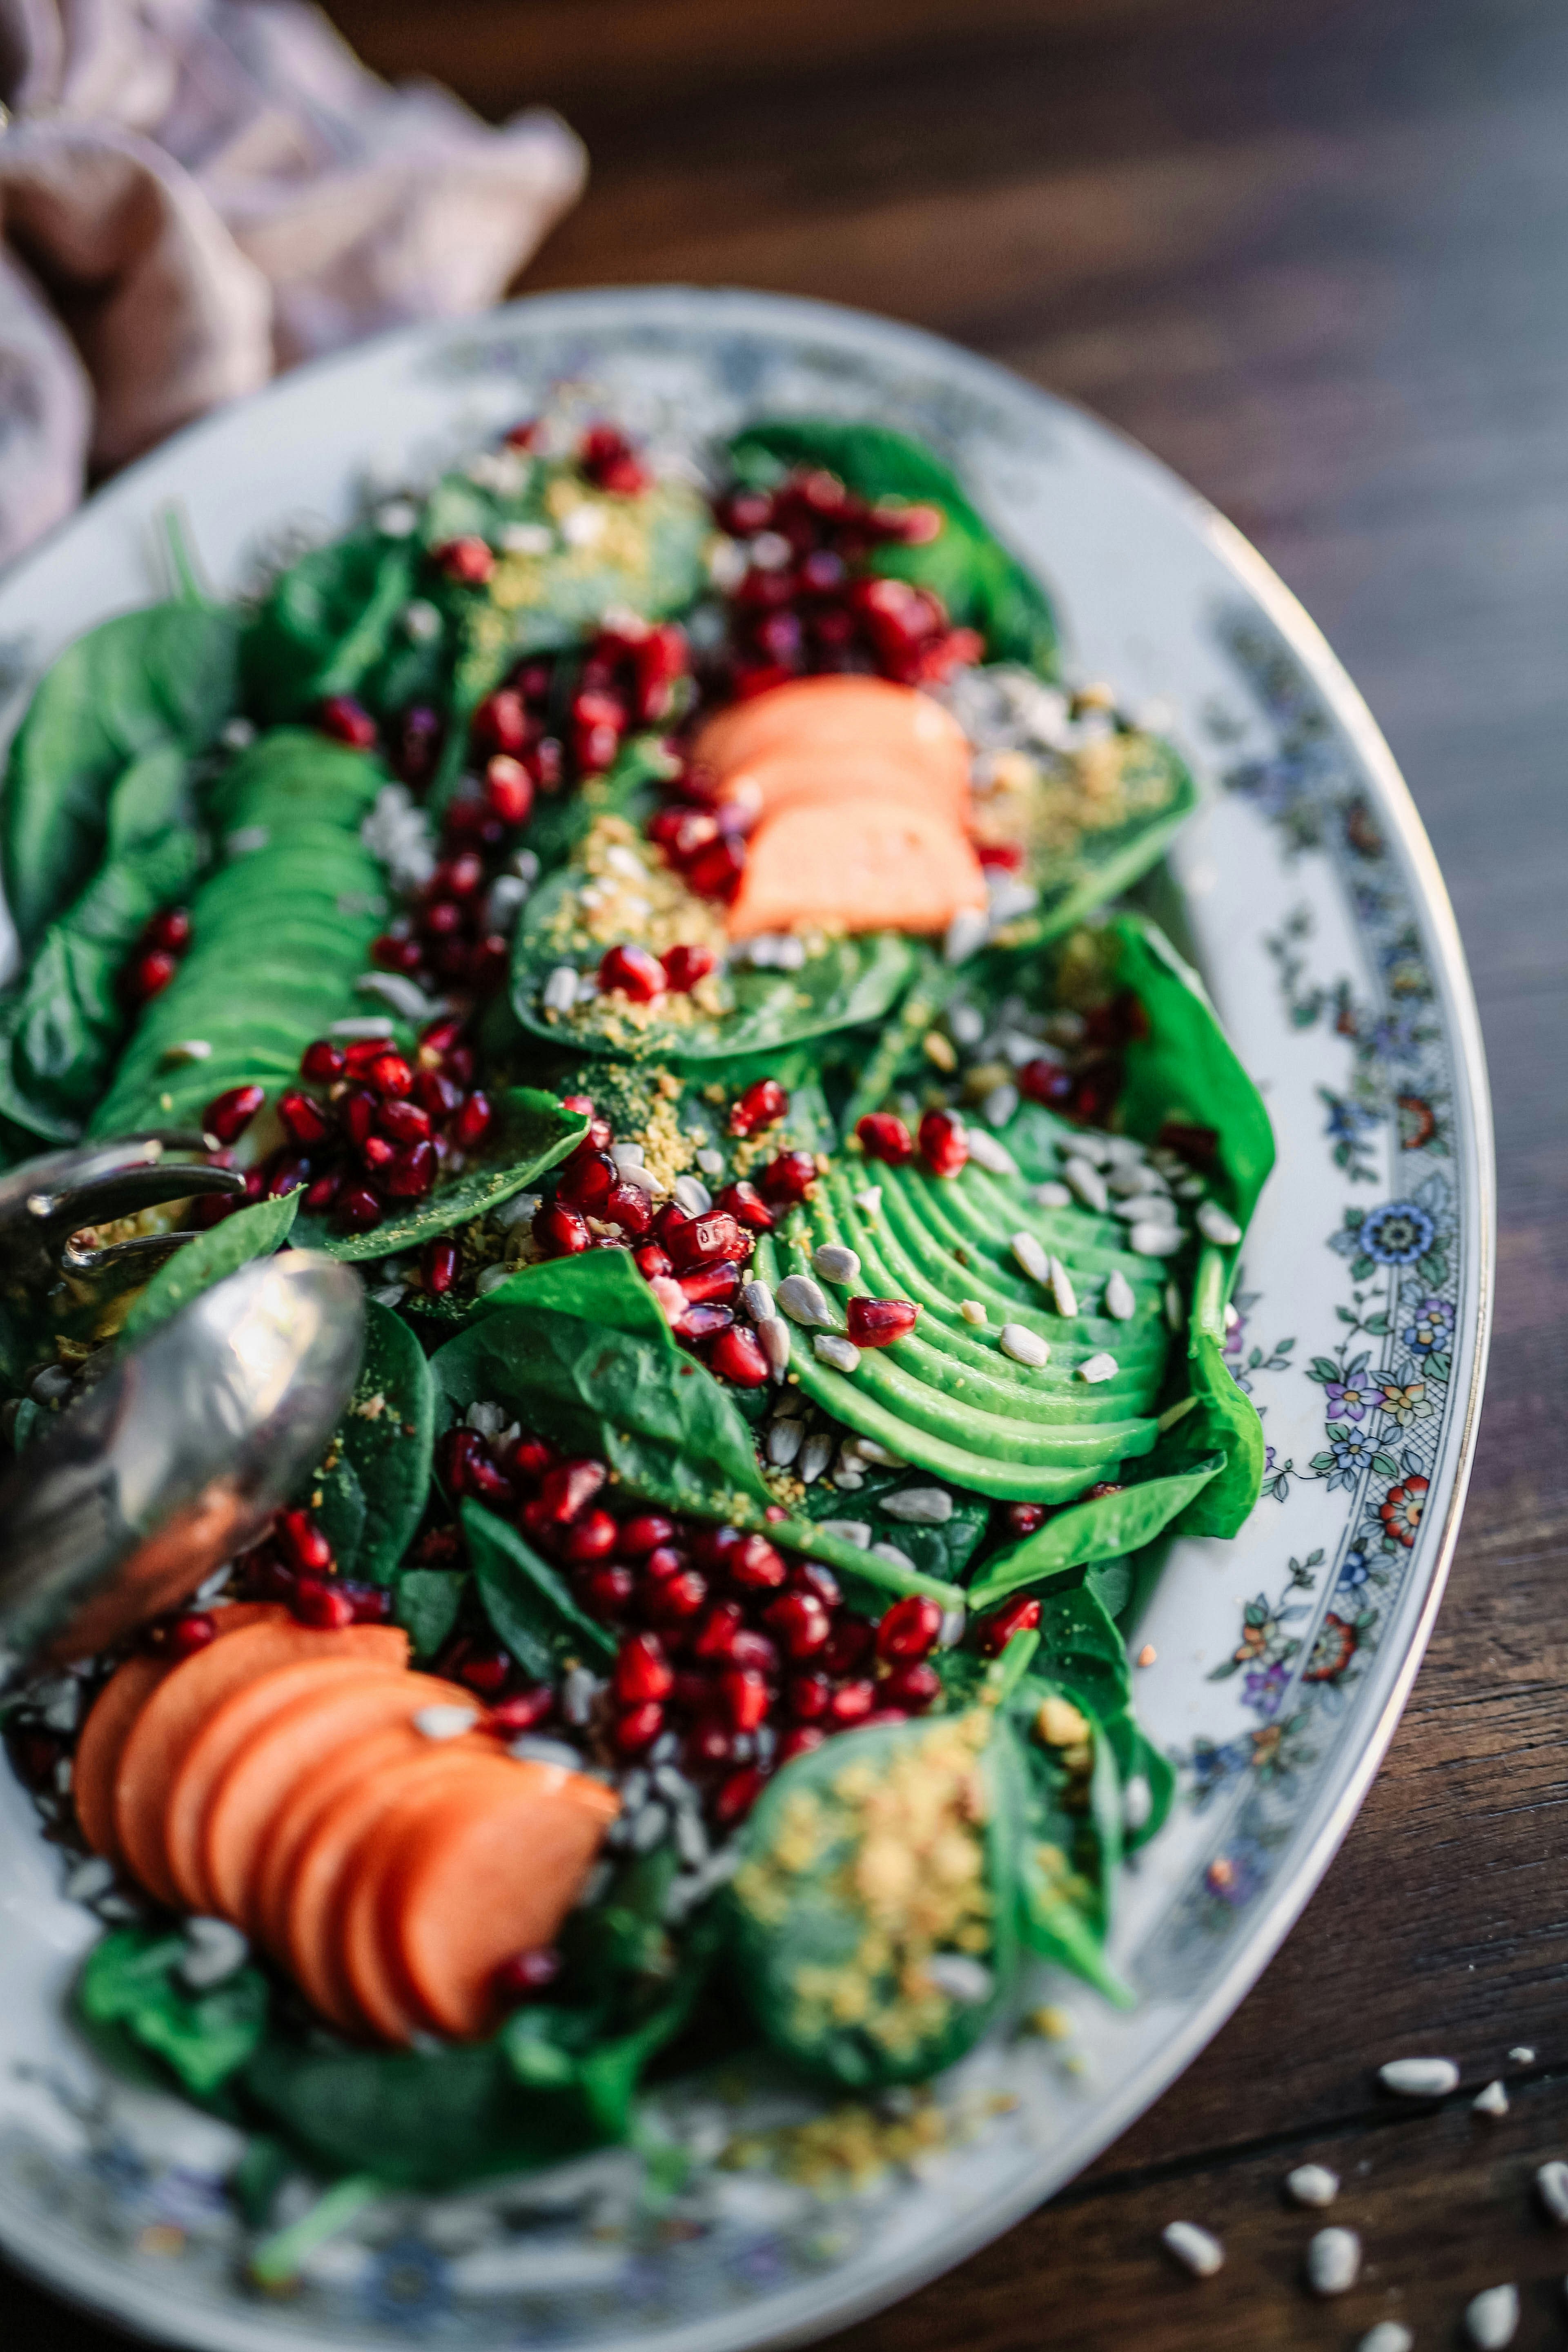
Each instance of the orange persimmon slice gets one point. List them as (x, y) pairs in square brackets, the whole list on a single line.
[(856, 866)]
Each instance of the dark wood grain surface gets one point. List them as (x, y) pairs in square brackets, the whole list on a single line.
[(1316, 257)]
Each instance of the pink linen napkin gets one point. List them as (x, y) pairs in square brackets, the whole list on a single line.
[(195, 193)]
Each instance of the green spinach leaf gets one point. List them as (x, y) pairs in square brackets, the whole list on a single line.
[(528, 1602), (427, 1602), (220, 1251), (386, 1437), (1106, 1528), (132, 1979), (327, 621)]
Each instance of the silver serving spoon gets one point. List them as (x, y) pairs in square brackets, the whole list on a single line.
[(177, 1458), (48, 1201)]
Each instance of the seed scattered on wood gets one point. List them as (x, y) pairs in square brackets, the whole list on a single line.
[(1522, 2055), (1103, 1367), (1388, 2336), (842, 1354), (1064, 1297), (1551, 2188), (1120, 1300), (1333, 2261), (972, 1310), (1198, 2251), (1419, 2078), (1492, 2319), (1024, 1347), (1312, 2184), (1089, 1184), (1492, 2101), (1032, 1256)]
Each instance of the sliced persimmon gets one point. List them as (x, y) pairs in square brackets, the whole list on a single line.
[(819, 714), (172, 1716), (308, 1802), (835, 772), (287, 1745), (481, 1869), (114, 1712), (219, 1740), (857, 866), (324, 1864)]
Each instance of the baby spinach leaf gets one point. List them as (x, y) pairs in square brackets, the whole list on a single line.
[(131, 1980), (334, 1493), (426, 1603), (942, 1552), (1082, 1653), (325, 622), (529, 1601), (386, 1437), (981, 584), (529, 1134), (1222, 1419), (1093, 823), (220, 1251), (162, 676), (1105, 1528)]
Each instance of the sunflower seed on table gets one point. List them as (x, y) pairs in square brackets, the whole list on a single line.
[(1023, 1345), (836, 1264), (1033, 1256), (842, 1354), (1198, 2251), (1121, 1299), (1088, 1183), (1100, 1366), (1052, 1195), (1419, 2078), (1333, 2261), (972, 1310), (1492, 2101), (919, 1507), (814, 1454), (1522, 2055), (1551, 2188), (1150, 1240), (1218, 1225), (1388, 2336), (803, 1301), (1492, 2319), (1312, 2184), (1064, 1298)]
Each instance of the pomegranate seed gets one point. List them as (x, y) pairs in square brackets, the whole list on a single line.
[(800, 1621), (755, 1565), (525, 1976), (745, 1697), (800, 1741), (810, 1576), (372, 1603), (443, 919), (746, 1205), (1025, 1518), (1046, 1082), (522, 435), (715, 871), (346, 722), (389, 1073), (487, 1481), (501, 722), (567, 1490), (508, 789), (738, 1795), (878, 1322), (745, 512), (192, 1633), (720, 1280), (737, 1357), (675, 1599), (699, 1324), (643, 1533), (713, 1234), (756, 1651), (914, 1686), (559, 1231), (325, 1606), (683, 830), (592, 1537), (1103, 1486), (359, 1112), (664, 1559), (669, 1223), (523, 1711), (303, 1541), (652, 1262), (910, 1629), (685, 966), (759, 1107), (472, 1123), (587, 1180), (807, 1696), (395, 954), (638, 1727), (436, 1096), (711, 1545), (883, 1137), (628, 1209), (467, 561), (405, 1122), (943, 1144), (228, 1115), (415, 745), (606, 458), (642, 1671), (378, 1153), (1000, 856), (460, 876), (285, 1174), (851, 1646), (487, 1674), (790, 1177), (710, 1745), (532, 1457), (632, 971), (171, 931), (358, 1208), (1020, 1616), (303, 1117), (609, 1591), (438, 1037), (851, 1703), (322, 1061), (715, 1635)]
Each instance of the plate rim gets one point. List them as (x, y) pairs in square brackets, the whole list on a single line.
[(108, 2287)]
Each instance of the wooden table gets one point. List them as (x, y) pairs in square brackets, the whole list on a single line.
[(1315, 256)]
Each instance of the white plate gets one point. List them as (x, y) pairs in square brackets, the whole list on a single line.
[(1315, 909)]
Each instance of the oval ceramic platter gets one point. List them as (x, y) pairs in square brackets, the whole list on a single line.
[(1276, 1664)]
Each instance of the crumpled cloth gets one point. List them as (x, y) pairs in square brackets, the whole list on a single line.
[(196, 193)]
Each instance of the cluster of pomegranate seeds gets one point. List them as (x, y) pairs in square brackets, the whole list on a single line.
[(611, 464), (693, 1261), (156, 959), (1083, 1083), (706, 843), (376, 1132), (294, 1564), (719, 1636), (806, 603)]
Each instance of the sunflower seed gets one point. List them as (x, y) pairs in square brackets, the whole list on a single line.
[(1388, 2336), (972, 1310), (189, 1049), (836, 1264), (966, 932), (772, 1337), (444, 1722), (1154, 1241), (627, 1155), (693, 1195), (89, 1879), (421, 621), (802, 1301), (996, 1109), (1051, 1196), (852, 1531), (1103, 1367), (985, 1149), (842, 1354), (783, 1441), (1522, 2055), (814, 1455), (891, 1554), (1419, 2078), (1492, 2319), (1333, 2261), (919, 1507), (1121, 1299), (1218, 1225), (711, 1163), (869, 1202), (1198, 2250), (1024, 1347), (1175, 1312), (1063, 1295), (560, 994), (966, 1024), (869, 1450), (758, 1301), (239, 734), (1137, 1804), (965, 1981), (1145, 1209), (214, 1952), (1088, 1183), (1551, 2188), (1312, 2184), (1032, 1256), (1492, 2101)]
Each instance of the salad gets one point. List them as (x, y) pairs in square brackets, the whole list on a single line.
[(664, 916)]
